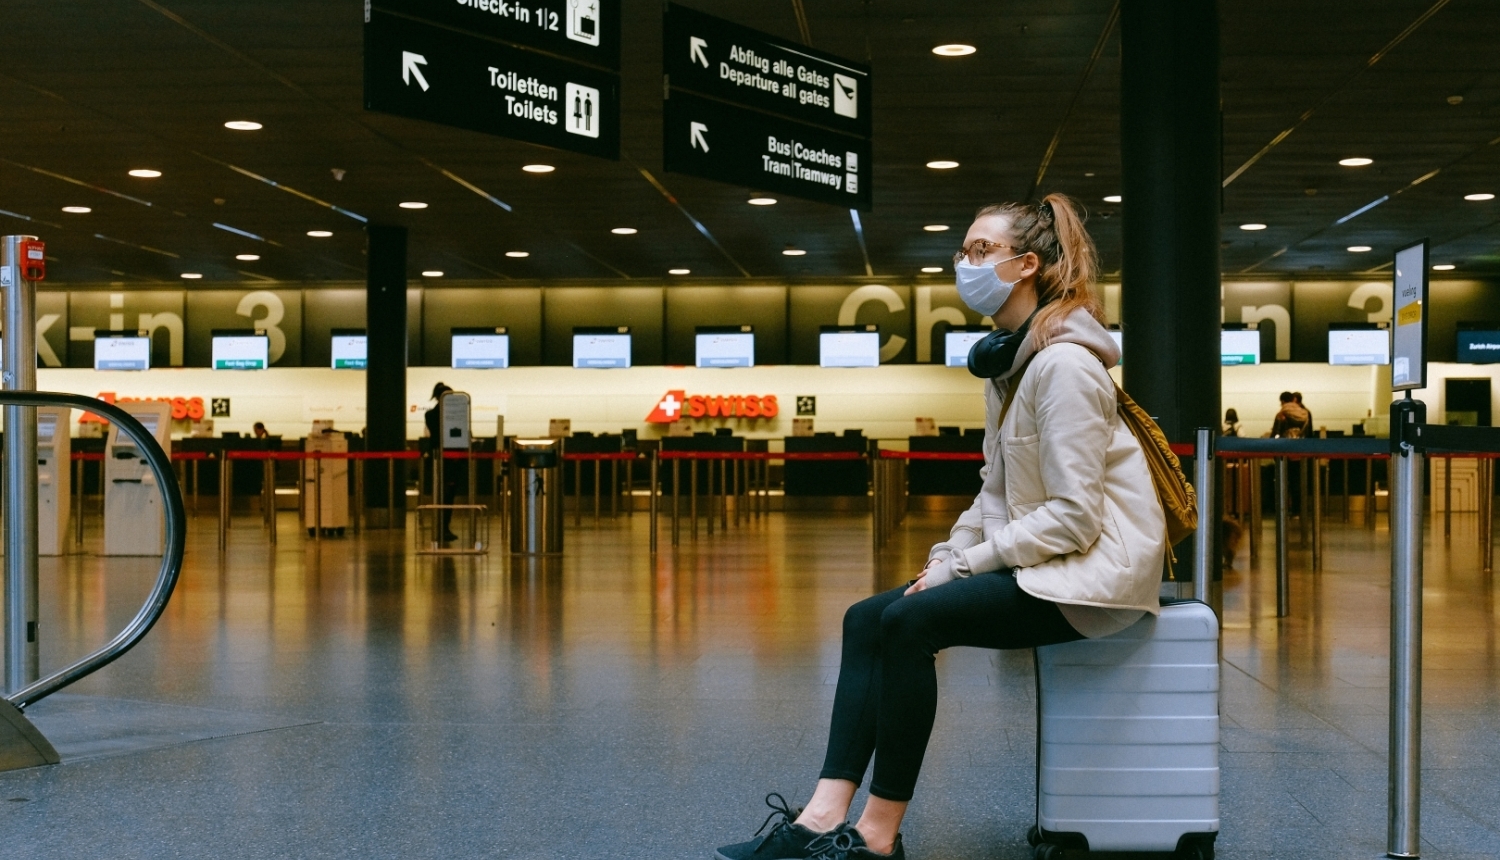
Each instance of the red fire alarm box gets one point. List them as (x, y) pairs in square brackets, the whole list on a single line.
[(33, 260)]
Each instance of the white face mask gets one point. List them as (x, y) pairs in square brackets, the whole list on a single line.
[(980, 286)]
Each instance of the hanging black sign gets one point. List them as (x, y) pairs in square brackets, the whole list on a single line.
[(584, 30), (440, 75), (713, 140), (722, 59)]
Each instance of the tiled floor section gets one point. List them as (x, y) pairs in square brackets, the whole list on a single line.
[(347, 699)]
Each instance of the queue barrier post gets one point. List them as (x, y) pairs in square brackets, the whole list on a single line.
[(1404, 813), (1487, 514), (224, 475), (652, 500), (1203, 536), (1447, 496), (1315, 466), (1283, 582), (78, 477)]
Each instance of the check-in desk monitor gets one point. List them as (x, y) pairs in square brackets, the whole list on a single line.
[(1478, 342), (849, 346), (958, 341), (1239, 346), (349, 349), (122, 351), (725, 346), (133, 514), (481, 347), (601, 347), (241, 350), (54, 454), (1359, 344)]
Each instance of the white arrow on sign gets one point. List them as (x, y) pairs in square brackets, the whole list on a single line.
[(695, 136), (695, 50), (409, 63)]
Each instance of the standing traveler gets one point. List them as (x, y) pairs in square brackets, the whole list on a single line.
[(451, 471), (1293, 421), (1064, 541)]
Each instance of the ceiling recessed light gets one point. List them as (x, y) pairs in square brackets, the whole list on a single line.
[(762, 201), (412, 204), (1252, 226), (1444, 267), (243, 125), (145, 173), (191, 276), (954, 50), (931, 270), (942, 165), (538, 168), (624, 231), (679, 271), (935, 228), (1479, 197), (793, 252), (518, 254), (432, 273), (1359, 249), (320, 234), (1356, 162), (1113, 198), (77, 210), (248, 258)]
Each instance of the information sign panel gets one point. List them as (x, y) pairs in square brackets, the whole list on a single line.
[(719, 58), (584, 30), (421, 71), (237, 350), (115, 352), (349, 349), (718, 141), (1409, 338)]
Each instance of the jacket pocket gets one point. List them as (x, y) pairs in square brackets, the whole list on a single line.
[(1023, 471)]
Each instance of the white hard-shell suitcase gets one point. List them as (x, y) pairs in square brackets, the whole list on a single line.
[(1128, 738)]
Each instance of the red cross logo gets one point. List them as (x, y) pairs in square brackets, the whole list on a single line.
[(669, 408)]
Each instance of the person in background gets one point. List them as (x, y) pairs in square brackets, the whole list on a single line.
[(452, 470), (1293, 421), (1297, 395), (259, 430), (1231, 422)]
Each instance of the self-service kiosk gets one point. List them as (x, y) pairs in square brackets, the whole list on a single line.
[(325, 483), (133, 515), (54, 460)]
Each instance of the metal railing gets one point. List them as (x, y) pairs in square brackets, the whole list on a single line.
[(171, 561)]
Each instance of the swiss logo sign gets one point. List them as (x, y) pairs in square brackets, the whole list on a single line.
[(677, 404)]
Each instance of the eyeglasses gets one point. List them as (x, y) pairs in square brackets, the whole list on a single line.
[(977, 250)]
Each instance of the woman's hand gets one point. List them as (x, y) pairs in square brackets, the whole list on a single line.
[(937, 572)]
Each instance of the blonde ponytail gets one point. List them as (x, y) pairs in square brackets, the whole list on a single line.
[(1054, 231)]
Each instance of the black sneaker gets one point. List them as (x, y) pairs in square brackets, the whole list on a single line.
[(786, 841), (845, 843)]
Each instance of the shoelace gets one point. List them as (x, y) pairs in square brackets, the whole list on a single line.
[(833, 845), (784, 809)]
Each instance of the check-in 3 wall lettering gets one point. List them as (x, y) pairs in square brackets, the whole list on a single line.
[(1293, 318)]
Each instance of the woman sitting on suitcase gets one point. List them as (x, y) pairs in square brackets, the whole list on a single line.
[(1064, 541)]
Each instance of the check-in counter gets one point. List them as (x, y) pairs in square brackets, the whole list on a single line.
[(821, 479), (935, 479)]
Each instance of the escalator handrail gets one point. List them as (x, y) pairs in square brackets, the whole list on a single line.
[(171, 561)]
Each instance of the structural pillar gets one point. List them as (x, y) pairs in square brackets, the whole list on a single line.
[(1171, 173), (385, 372)]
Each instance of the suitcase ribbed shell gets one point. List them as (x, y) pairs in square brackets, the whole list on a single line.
[(1129, 733)]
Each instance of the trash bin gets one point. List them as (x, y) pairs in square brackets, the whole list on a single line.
[(536, 509)]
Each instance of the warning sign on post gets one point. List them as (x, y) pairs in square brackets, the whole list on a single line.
[(1409, 338)]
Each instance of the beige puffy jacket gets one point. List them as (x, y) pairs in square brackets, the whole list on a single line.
[(1067, 499)]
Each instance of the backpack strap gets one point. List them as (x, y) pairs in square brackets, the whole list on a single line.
[(1012, 391)]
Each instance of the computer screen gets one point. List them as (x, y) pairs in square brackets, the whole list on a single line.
[(849, 349), (122, 353), (241, 351), (957, 343), (1359, 345), (488, 348), (1119, 339), (350, 350), (725, 348), (601, 350), (1478, 343), (1239, 346)]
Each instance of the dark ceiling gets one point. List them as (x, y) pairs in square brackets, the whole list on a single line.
[(90, 89)]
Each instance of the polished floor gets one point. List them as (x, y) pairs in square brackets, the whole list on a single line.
[(347, 698)]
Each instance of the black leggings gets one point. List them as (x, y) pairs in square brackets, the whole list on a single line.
[(887, 692)]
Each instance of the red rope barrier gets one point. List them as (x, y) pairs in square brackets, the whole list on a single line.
[(478, 455), (762, 455), (931, 455), (617, 455)]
